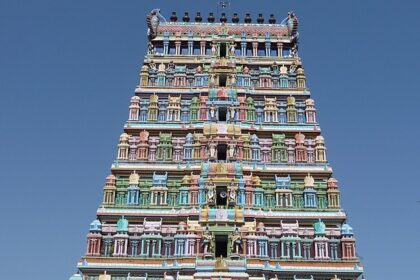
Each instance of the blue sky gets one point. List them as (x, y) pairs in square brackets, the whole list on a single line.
[(69, 68)]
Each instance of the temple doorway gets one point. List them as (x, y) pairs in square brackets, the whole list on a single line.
[(221, 246), (221, 151)]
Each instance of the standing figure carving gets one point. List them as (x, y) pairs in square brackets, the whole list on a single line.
[(214, 49), (232, 112), (212, 112), (207, 243), (171, 66), (232, 49), (232, 191), (231, 146), (211, 192), (213, 146), (233, 79), (235, 242)]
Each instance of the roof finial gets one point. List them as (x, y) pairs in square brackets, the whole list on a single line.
[(223, 6)]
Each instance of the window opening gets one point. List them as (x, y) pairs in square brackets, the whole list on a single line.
[(222, 49), (222, 114), (222, 80), (221, 193), (221, 151)]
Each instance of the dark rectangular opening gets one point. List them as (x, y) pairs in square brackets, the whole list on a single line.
[(222, 114), (221, 151), (221, 193), (222, 49), (261, 50), (221, 246), (158, 48), (172, 48), (196, 48), (222, 80), (249, 51)]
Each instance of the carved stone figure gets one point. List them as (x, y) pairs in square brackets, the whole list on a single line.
[(211, 192), (232, 49), (213, 146), (214, 49), (233, 79), (161, 67), (294, 51), (150, 48), (212, 79), (207, 243), (152, 65), (171, 66), (212, 112), (236, 242), (292, 23), (292, 68), (231, 149), (283, 70), (232, 112), (232, 191), (152, 20), (275, 68)]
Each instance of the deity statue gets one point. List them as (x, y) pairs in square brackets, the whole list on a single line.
[(212, 79), (233, 79), (211, 192), (246, 70), (150, 48), (294, 51), (232, 191), (283, 70), (292, 68), (152, 65), (161, 67), (292, 24), (207, 242), (213, 146), (275, 68), (221, 168), (213, 49), (236, 242), (171, 66), (231, 146), (232, 49), (232, 112), (212, 112)]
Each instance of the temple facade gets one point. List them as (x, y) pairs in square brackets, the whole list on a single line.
[(221, 171)]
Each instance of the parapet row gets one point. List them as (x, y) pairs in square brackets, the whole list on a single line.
[(274, 76), (222, 105), (153, 239), (248, 191), (242, 147)]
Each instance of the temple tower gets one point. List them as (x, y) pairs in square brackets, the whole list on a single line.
[(221, 171)]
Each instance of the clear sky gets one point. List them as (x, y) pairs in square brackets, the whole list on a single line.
[(69, 68)]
